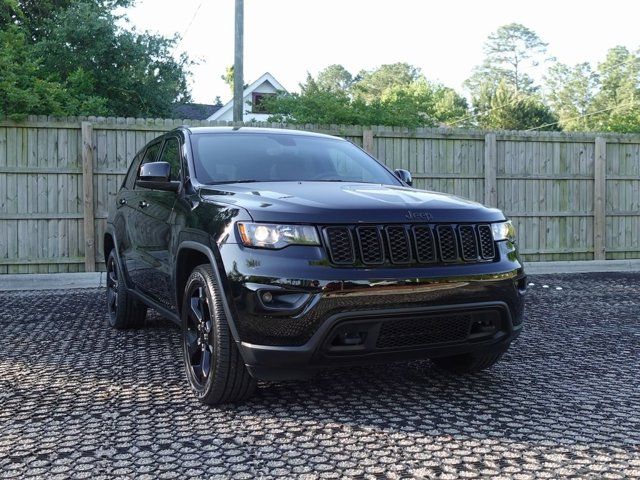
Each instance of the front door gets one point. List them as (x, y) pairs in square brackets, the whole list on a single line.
[(153, 232)]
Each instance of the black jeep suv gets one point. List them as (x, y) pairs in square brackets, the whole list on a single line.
[(281, 252)]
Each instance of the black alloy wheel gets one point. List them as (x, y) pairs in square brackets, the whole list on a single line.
[(112, 289), (215, 369), (198, 336), (123, 310)]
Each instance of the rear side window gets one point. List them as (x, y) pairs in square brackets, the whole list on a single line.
[(171, 155)]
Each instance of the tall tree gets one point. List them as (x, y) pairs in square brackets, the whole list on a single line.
[(334, 78), (512, 53), (504, 108), (616, 106), (570, 92), (370, 85)]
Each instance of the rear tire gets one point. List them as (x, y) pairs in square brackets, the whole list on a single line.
[(468, 362), (215, 369), (123, 310)]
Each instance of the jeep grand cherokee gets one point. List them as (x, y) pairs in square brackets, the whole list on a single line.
[(280, 253)]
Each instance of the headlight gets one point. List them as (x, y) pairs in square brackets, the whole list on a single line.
[(266, 235), (503, 231)]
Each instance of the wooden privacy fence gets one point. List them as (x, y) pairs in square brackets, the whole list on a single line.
[(571, 196)]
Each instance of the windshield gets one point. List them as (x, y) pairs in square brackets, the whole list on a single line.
[(277, 157)]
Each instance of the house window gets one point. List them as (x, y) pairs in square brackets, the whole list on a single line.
[(257, 102)]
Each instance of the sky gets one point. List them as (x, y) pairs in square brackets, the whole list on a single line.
[(289, 38)]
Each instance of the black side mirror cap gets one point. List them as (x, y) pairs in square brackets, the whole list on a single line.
[(155, 171), (156, 175), (404, 175)]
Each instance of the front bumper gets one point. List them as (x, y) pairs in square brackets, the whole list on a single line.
[(365, 308)]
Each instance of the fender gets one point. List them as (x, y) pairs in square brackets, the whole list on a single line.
[(110, 229), (216, 265)]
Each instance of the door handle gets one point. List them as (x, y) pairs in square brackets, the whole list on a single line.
[(122, 201), (143, 204)]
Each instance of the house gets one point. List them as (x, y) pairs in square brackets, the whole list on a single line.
[(264, 86), (193, 111)]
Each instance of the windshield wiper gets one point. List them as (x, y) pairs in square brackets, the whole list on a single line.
[(235, 181)]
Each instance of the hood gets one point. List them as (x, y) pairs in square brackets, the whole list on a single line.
[(336, 202)]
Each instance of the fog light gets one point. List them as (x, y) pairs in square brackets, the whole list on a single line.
[(349, 338), (267, 297)]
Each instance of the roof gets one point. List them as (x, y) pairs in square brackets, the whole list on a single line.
[(250, 130), (229, 105), (193, 111)]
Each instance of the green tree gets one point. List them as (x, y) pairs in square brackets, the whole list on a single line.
[(616, 106), (370, 85), (504, 108), (33, 14), (334, 78), (410, 103), (75, 51), (25, 88), (570, 92), (512, 53), (311, 105)]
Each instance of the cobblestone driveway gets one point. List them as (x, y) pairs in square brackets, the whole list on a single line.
[(80, 400)]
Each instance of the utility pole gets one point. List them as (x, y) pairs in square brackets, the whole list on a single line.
[(238, 76)]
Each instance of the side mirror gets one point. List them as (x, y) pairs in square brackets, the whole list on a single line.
[(156, 175), (404, 175)]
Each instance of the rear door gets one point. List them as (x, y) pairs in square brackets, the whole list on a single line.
[(153, 215)]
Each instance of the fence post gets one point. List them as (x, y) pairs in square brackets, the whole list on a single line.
[(490, 170), (367, 141), (599, 193), (87, 188)]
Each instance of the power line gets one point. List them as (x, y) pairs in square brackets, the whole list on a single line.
[(577, 117), (186, 30)]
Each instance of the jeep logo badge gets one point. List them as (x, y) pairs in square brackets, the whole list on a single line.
[(424, 216)]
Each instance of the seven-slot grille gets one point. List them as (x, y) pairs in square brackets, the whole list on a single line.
[(404, 244)]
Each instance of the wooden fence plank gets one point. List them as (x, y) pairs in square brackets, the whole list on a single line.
[(87, 186), (490, 170), (600, 179)]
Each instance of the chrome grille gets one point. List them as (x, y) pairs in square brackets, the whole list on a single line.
[(409, 244)]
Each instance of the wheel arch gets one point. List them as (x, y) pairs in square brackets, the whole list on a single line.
[(110, 242), (190, 254)]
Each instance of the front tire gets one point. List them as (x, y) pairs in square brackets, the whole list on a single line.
[(123, 310), (468, 362), (214, 366)]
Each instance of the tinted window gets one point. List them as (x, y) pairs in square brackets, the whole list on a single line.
[(151, 154), (171, 154), (132, 173), (280, 157)]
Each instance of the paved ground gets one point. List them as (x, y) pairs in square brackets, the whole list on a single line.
[(79, 400)]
